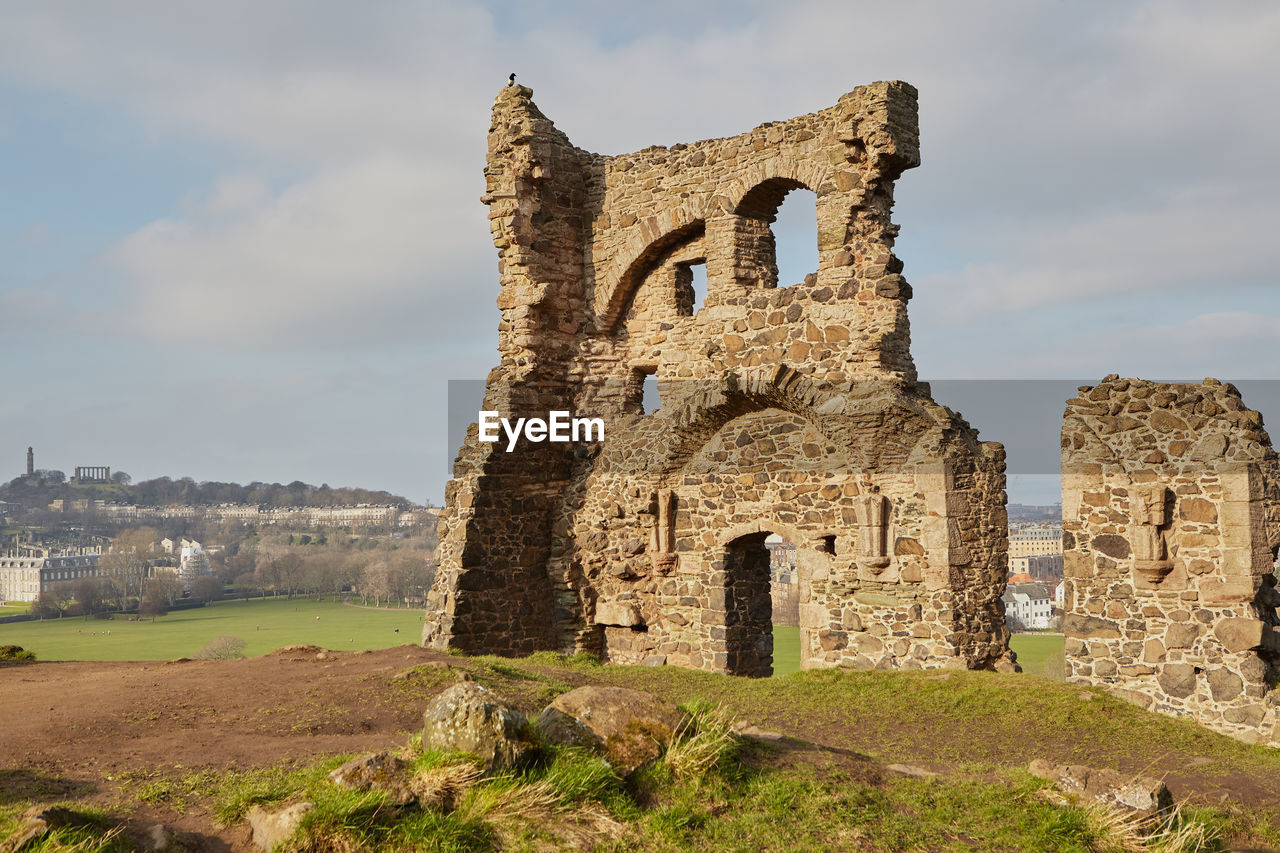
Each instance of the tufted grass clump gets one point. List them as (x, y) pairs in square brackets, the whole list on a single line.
[(80, 828), (702, 743)]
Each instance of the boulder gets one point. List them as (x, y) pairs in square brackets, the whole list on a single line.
[(470, 718), (269, 827), (375, 771), (628, 727), (1109, 787)]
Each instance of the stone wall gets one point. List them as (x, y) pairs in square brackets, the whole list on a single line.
[(1171, 524), (793, 410)]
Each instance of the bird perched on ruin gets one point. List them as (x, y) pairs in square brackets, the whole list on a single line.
[(511, 81)]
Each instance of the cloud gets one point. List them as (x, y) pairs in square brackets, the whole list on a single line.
[(346, 256), (1210, 239), (1057, 136), (1235, 344), (1097, 191)]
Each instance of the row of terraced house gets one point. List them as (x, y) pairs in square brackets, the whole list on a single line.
[(360, 515)]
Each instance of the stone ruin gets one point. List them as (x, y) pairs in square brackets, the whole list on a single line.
[(792, 410), (1171, 526), (796, 410)]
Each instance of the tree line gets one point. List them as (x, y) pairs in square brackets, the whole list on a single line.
[(47, 485), (135, 574)]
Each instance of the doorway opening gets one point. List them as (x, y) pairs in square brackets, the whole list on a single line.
[(762, 634)]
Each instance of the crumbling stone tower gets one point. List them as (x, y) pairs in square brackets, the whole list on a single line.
[(791, 410), (1171, 525)]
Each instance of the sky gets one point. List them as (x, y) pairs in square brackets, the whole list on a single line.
[(243, 240)]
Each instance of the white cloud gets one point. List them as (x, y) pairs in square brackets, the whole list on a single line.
[(1212, 240), (334, 257), (1075, 154)]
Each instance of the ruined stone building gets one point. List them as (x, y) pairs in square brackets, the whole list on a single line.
[(1171, 525), (792, 410)]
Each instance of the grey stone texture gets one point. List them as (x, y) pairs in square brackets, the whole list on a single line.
[(1143, 794), (785, 409), (381, 771), (1171, 524), (469, 717)]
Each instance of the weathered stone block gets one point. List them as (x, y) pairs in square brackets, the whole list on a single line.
[(1178, 680), (1089, 627), (1238, 635), (1224, 685)]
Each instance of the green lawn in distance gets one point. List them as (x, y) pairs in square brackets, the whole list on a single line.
[(786, 649), (1041, 654), (263, 623)]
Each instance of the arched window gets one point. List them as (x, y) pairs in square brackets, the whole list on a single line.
[(795, 236), (779, 242)]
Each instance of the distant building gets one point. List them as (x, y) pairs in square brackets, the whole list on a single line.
[(1034, 540), (782, 580), (117, 512), (193, 562), (1030, 603), (23, 578), (1046, 568)]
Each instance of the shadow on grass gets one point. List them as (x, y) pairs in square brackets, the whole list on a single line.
[(21, 785)]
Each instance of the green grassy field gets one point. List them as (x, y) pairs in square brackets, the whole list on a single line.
[(786, 649), (1040, 654), (14, 608), (264, 624)]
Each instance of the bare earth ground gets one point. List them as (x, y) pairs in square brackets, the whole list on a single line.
[(91, 731)]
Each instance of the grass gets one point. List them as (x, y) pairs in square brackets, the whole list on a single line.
[(709, 791), (264, 624), (89, 830), (1040, 654), (786, 649)]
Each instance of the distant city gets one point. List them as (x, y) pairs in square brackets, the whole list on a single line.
[(58, 531)]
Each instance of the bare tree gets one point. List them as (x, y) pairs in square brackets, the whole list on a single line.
[(207, 588), (124, 567), (88, 598), (154, 602)]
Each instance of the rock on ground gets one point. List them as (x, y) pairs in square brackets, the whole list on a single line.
[(629, 727), (269, 828), (468, 717), (380, 771), (1111, 787)]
